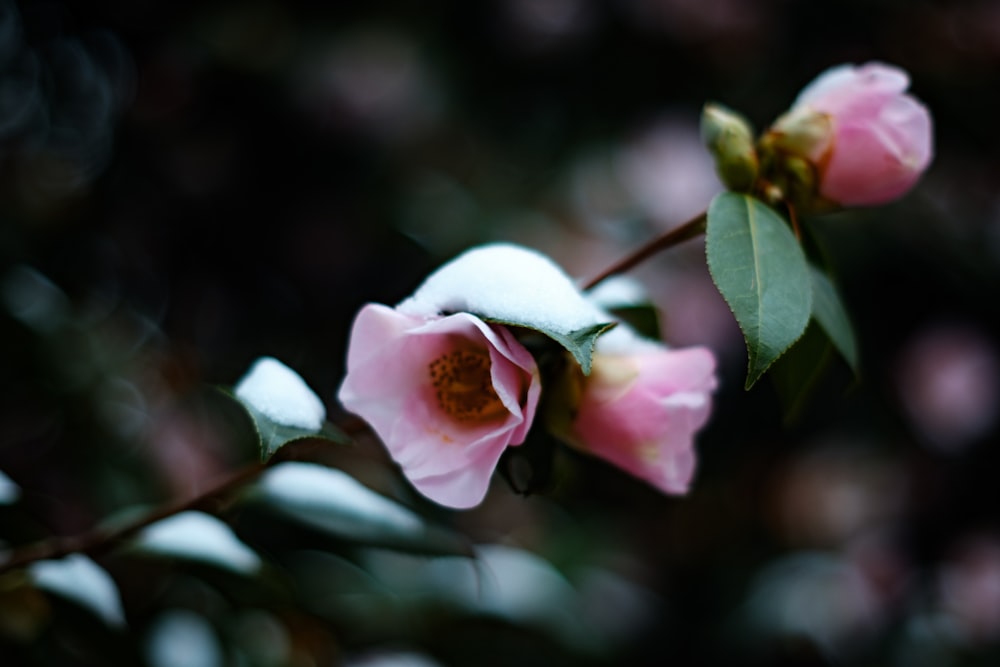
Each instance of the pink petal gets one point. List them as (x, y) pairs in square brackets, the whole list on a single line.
[(644, 421), (388, 383)]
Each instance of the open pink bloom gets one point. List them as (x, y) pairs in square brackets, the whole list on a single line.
[(875, 140), (640, 409), (446, 395)]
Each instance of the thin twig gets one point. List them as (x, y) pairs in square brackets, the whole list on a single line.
[(100, 540), (675, 236)]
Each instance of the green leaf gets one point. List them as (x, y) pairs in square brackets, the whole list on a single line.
[(282, 407), (333, 502), (580, 343), (645, 319), (273, 435), (796, 376), (762, 273), (628, 301), (828, 310)]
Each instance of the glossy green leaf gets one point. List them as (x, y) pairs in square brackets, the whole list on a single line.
[(762, 273), (798, 374), (273, 435), (333, 502), (282, 406), (829, 312), (628, 301), (579, 343)]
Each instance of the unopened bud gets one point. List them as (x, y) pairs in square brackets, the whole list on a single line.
[(802, 131), (868, 140), (729, 138)]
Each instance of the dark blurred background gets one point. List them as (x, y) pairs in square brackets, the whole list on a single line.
[(186, 186)]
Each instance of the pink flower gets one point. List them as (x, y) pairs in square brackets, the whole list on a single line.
[(868, 139), (640, 408), (446, 395)]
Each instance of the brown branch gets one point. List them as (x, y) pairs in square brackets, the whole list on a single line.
[(100, 540), (675, 236)]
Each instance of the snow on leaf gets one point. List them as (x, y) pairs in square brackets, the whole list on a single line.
[(201, 537), (283, 408), (502, 581), (277, 392), (332, 501), (80, 579), (9, 491), (181, 637), (516, 286), (619, 292)]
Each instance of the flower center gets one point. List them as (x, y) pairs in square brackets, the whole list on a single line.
[(463, 385)]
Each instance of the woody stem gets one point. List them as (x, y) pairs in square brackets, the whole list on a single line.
[(690, 229)]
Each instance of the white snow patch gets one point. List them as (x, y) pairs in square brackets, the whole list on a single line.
[(333, 501), (199, 536), (502, 581), (34, 299), (619, 292), (80, 579), (507, 283), (277, 392), (180, 637), (9, 491)]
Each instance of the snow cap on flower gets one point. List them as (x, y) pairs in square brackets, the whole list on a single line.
[(507, 283), (442, 379), (867, 139)]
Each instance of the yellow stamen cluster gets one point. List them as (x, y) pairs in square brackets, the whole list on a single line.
[(463, 386)]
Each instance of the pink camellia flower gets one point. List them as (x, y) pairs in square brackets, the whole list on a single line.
[(867, 138), (641, 406), (446, 395)]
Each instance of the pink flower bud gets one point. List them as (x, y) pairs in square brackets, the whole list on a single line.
[(446, 395), (640, 408), (867, 138)]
